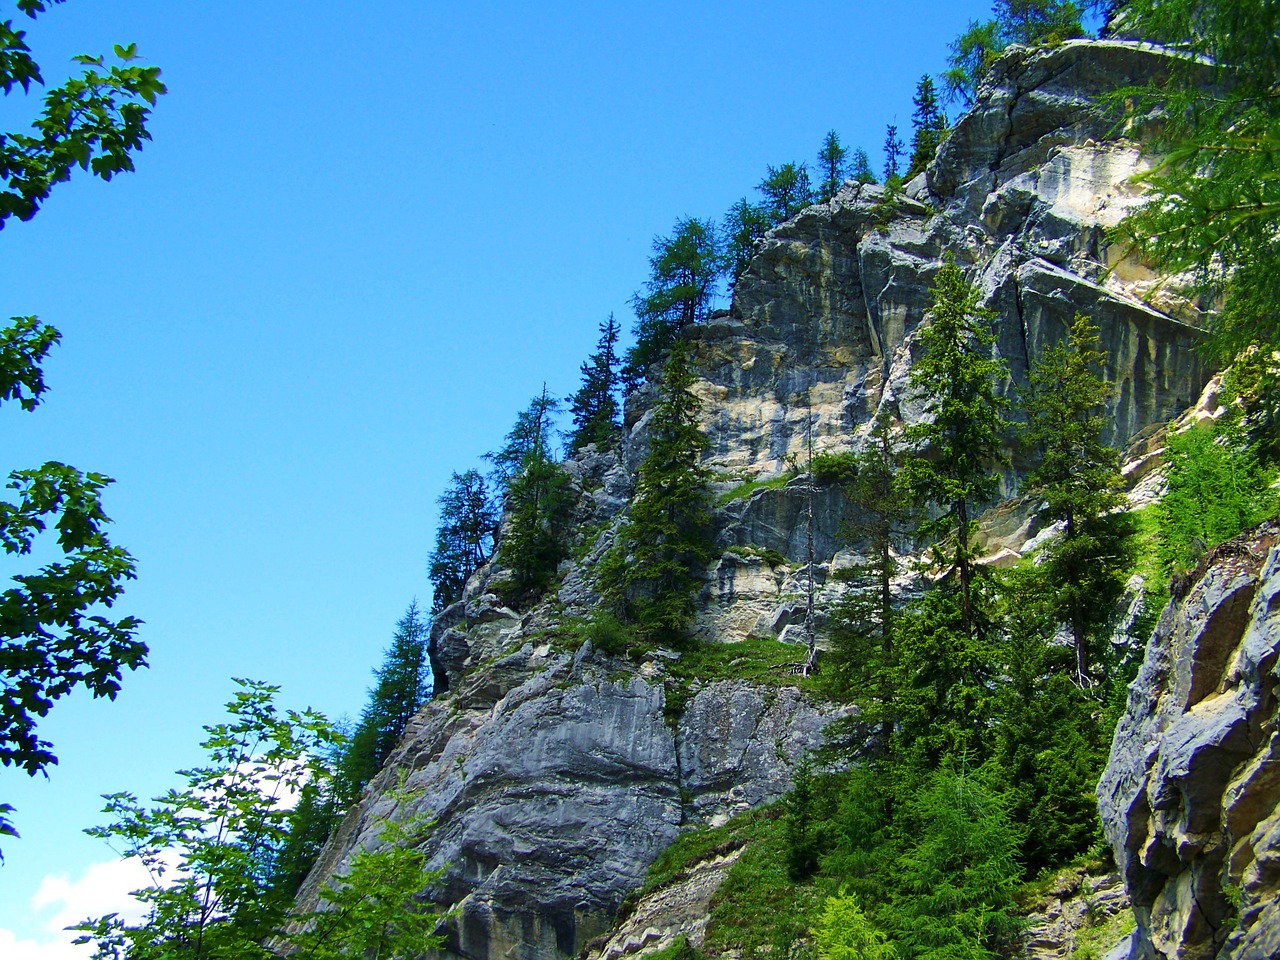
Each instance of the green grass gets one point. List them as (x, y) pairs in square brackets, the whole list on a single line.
[(744, 490), (758, 660)]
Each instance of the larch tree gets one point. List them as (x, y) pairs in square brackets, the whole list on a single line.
[(860, 167), (893, 149), (832, 159), (684, 270), (744, 225)]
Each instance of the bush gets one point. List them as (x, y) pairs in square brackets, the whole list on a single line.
[(835, 468)]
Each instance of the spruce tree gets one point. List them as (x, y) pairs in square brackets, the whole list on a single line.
[(532, 431), (893, 148), (536, 503), (595, 406), (464, 539), (652, 574), (1079, 478), (929, 122), (831, 163), (402, 686), (961, 440)]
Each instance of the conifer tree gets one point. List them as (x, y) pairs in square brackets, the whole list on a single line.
[(862, 624), (536, 503), (684, 270), (929, 123), (831, 163), (961, 441), (744, 225), (532, 431), (464, 540), (402, 687), (653, 572), (860, 167), (1079, 478), (595, 405), (893, 148), (787, 190)]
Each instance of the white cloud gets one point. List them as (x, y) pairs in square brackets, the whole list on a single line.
[(60, 902)]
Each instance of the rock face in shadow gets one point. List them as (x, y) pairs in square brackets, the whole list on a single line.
[(1190, 799), (557, 772)]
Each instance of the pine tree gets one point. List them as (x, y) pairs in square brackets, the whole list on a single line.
[(831, 161), (684, 270), (652, 574), (595, 405), (532, 431), (893, 148), (744, 225), (464, 540), (962, 438), (1079, 478), (402, 687), (786, 190), (929, 123)]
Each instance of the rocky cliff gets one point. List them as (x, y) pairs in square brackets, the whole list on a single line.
[(1191, 795), (557, 772)]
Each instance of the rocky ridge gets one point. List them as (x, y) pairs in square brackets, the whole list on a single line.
[(556, 772)]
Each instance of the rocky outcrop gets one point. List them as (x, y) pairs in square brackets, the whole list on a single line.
[(556, 772), (1190, 799)]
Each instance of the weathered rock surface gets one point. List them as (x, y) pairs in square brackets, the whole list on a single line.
[(555, 774), (1190, 799)]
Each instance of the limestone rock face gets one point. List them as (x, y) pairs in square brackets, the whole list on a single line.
[(1190, 799), (557, 773)]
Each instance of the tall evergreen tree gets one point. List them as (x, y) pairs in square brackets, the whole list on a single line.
[(929, 123), (653, 572), (893, 148), (595, 405), (831, 163), (962, 439), (863, 652), (402, 686), (787, 190), (860, 167), (684, 270), (1079, 478), (744, 225), (537, 500), (464, 540), (532, 431)]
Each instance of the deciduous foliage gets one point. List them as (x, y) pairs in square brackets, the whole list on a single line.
[(1079, 477), (684, 270), (464, 540), (55, 631), (653, 572), (212, 848), (962, 438), (595, 406)]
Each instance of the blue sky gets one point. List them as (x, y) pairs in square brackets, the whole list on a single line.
[(362, 238)]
